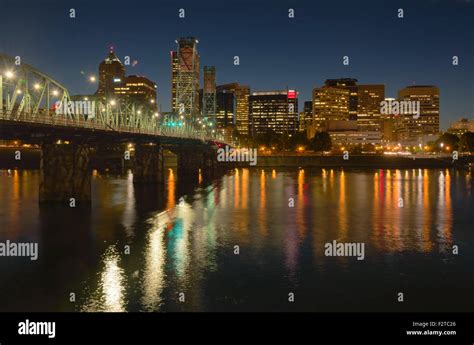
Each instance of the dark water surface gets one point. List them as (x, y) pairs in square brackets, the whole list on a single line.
[(187, 246)]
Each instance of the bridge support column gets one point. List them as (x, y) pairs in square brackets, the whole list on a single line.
[(209, 168), (148, 164), (189, 163), (65, 173)]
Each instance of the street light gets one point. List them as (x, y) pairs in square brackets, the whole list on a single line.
[(37, 86), (9, 74), (92, 79)]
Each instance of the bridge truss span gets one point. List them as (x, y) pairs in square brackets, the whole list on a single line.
[(30, 96)]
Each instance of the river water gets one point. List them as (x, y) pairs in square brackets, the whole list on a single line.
[(254, 240)]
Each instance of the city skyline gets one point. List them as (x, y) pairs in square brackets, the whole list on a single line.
[(262, 64)]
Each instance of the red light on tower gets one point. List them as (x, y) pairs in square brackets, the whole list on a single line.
[(291, 94)]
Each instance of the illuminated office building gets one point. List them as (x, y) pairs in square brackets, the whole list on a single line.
[(330, 103), (111, 72), (187, 83), (369, 98), (174, 80), (411, 126), (274, 111), (139, 89)]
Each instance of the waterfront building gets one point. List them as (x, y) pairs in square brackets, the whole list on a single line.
[(412, 125), (274, 111)]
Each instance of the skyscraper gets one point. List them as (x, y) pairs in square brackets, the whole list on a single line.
[(113, 83), (274, 111), (111, 72), (242, 94), (187, 85), (241, 97), (174, 80), (330, 103), (225, 109), (209, 92), (349, 84), (369, 98), (427, 122), (306, 117)]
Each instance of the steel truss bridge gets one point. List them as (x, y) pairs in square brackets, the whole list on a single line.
[(31, 97)]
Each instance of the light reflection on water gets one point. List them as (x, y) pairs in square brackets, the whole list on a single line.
[(408, 219), (109, 295)]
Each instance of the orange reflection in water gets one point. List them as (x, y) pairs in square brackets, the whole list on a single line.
[(342, 214), (245, 187), (262, 189), (236, 188), (171, 198)]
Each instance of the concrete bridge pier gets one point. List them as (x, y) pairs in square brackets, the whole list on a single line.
[(148, 164), (189, 163), (65, 174), (209, 164)]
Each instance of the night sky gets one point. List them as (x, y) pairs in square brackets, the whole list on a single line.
[(275, 51)]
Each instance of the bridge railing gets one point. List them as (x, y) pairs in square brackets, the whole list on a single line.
[(52, 119)]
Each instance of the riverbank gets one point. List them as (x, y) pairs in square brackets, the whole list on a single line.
[(30, 159), (362, 161)]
